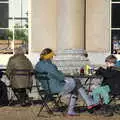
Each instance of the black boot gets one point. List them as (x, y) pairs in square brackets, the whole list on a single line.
[(117, 108), (107, 110)]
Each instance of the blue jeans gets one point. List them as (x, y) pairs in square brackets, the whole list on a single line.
[(87, 98), (70, 85)]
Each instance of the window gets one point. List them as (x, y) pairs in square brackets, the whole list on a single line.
[(115, 0), (115, 26), (13, 25)]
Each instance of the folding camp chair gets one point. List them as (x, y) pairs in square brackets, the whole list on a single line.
[(45, 94), (26, 74)]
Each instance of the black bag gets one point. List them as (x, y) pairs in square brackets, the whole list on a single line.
[(3, 94)]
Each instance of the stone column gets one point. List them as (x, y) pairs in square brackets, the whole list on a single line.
[(70, 24), (43, 27), (70, 36), (98, 25)]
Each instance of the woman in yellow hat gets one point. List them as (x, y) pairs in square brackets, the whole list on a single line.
[(58, 83)]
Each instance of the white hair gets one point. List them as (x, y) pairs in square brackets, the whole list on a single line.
[(19, 50)]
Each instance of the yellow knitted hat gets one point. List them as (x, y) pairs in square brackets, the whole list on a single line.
[(48, 56)]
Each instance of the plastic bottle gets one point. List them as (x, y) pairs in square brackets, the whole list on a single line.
[(92, 69), (87, 69), (82, 71)]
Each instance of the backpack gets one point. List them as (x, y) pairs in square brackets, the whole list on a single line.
[(3, 94)]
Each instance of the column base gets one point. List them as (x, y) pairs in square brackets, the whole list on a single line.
[(70, 61)]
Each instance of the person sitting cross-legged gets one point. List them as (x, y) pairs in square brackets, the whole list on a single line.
[(59, 83)]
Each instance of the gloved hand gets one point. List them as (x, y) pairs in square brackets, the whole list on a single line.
[(98, 71), (30, 89)]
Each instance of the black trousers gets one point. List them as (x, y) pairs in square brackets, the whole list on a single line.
[(20, 94)]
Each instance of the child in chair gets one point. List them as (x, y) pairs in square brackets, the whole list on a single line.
[(111, 80)]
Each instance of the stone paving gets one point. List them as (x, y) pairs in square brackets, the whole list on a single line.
[(30, 113)]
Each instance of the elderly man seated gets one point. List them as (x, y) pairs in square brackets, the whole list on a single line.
[(18, 72)]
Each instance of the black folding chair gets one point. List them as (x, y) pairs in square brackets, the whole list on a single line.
[(27, 74), (45, 94)]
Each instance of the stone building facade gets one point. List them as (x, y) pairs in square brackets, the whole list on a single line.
[(71, 24)]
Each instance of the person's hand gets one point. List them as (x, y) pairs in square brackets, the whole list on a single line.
[(104, 66), (99, 70), (30, 89)]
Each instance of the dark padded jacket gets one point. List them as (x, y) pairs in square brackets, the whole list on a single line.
[(111, 77)]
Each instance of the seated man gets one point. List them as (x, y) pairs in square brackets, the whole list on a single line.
[(20, 83), (58, 83)]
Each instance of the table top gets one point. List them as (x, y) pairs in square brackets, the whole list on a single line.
[(83, 76)]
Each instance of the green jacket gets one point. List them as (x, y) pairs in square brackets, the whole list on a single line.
[(19, 62)]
